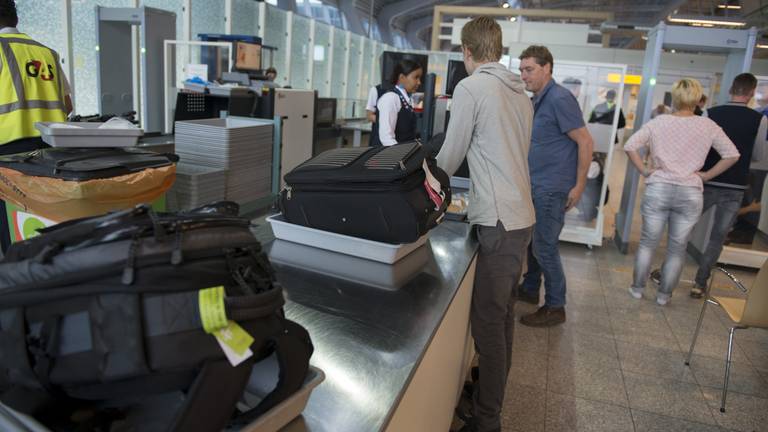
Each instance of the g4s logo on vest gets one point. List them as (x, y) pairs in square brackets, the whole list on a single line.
[(34, 69)]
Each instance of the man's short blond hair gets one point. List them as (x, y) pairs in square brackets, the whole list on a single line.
[(482, 36), (686, 94)]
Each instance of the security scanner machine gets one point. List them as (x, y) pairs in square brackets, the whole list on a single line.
[(118, 89), (738, 46)]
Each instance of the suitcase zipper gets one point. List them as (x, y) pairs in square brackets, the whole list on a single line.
[(355, 187)]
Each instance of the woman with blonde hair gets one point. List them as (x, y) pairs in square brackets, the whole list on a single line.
[(678, 145)]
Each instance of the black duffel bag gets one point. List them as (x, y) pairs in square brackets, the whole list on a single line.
[(374, 193), (100, 314)]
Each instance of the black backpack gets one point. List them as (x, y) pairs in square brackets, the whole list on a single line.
[(101, 313)]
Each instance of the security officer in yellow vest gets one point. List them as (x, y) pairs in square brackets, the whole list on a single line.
[(33, 88)]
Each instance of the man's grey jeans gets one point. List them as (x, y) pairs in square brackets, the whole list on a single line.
[(492, 317), (664, 204), (728, 202)]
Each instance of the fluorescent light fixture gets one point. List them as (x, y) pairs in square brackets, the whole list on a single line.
[(763, 46), (705, 21), (726, 6)]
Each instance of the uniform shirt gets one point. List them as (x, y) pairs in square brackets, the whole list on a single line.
[(67, 89), (389, 107), (373, 97), (554, 156), (679, 147)]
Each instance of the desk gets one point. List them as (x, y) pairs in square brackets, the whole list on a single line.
[(394, 359)]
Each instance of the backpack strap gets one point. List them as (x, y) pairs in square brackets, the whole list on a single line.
[(293, 349)]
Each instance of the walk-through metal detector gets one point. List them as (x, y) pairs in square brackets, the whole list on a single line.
[(115, 79), (737, 44)]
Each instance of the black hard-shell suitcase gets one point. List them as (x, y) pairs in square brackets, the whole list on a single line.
[(375, 193)]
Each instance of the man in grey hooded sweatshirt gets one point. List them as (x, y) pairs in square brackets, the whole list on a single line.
[(491, 119)]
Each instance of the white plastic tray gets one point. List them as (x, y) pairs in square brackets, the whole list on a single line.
[(88, 135), (287, 410), (390, 277), (376, 251)]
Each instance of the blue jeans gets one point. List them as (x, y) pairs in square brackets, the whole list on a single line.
[(728, 202), (543, 253), (666, 204)]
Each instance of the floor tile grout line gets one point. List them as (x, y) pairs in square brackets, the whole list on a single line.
[(624, 382)]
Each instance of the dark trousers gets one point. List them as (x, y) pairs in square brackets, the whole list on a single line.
[(18, 146), (492, 318), (728, 202)]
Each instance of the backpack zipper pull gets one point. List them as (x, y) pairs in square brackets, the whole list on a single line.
[(176, 255), (288, 191), (402, 165), (128, 271)]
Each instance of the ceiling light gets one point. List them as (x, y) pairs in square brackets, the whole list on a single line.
[(763, 46), (705, 21), (672, 51), (644, 37), (512, 19), (724, 6), (505, 5)]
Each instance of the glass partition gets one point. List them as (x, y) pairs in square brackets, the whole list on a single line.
[(207, 17), (599, 89), (337, 73), (301, 53), (245, 17), (275, 35), (320, 54)]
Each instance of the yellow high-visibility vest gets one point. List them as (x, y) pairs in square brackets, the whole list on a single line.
[(31, 87)]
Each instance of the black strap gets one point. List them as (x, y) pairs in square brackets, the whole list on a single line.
[(293, 349)]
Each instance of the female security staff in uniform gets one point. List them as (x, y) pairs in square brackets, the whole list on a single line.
[(397, 120)]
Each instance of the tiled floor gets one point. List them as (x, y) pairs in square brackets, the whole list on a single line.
[(617, 364)]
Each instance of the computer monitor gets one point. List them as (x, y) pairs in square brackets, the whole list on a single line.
[(456, 73), (325, 115), (247, 56), (390, 59)]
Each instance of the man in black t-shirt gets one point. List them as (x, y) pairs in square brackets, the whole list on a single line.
[(747, 129)]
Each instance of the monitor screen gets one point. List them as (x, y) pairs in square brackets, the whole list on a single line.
[(390, 59), (326, 111), (456, 73), (248, 56)]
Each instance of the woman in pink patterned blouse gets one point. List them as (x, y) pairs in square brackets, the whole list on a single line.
[(678, 145)]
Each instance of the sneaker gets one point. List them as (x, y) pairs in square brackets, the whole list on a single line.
[(636, 293), (697, 291), (662, 299), (527, 297), (545, 317)]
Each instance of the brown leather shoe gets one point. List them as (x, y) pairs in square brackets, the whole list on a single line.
[(545, 317)]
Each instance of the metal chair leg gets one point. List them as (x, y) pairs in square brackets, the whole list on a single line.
[(696, 333), (727, 367)]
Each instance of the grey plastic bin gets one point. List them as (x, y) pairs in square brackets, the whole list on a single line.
[(88, 135)]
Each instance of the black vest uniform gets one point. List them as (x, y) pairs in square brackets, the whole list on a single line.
[(740, 123), (381, 90), (405, 128)]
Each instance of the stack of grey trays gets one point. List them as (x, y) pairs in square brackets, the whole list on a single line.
[(241, 147), (197, 185)]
